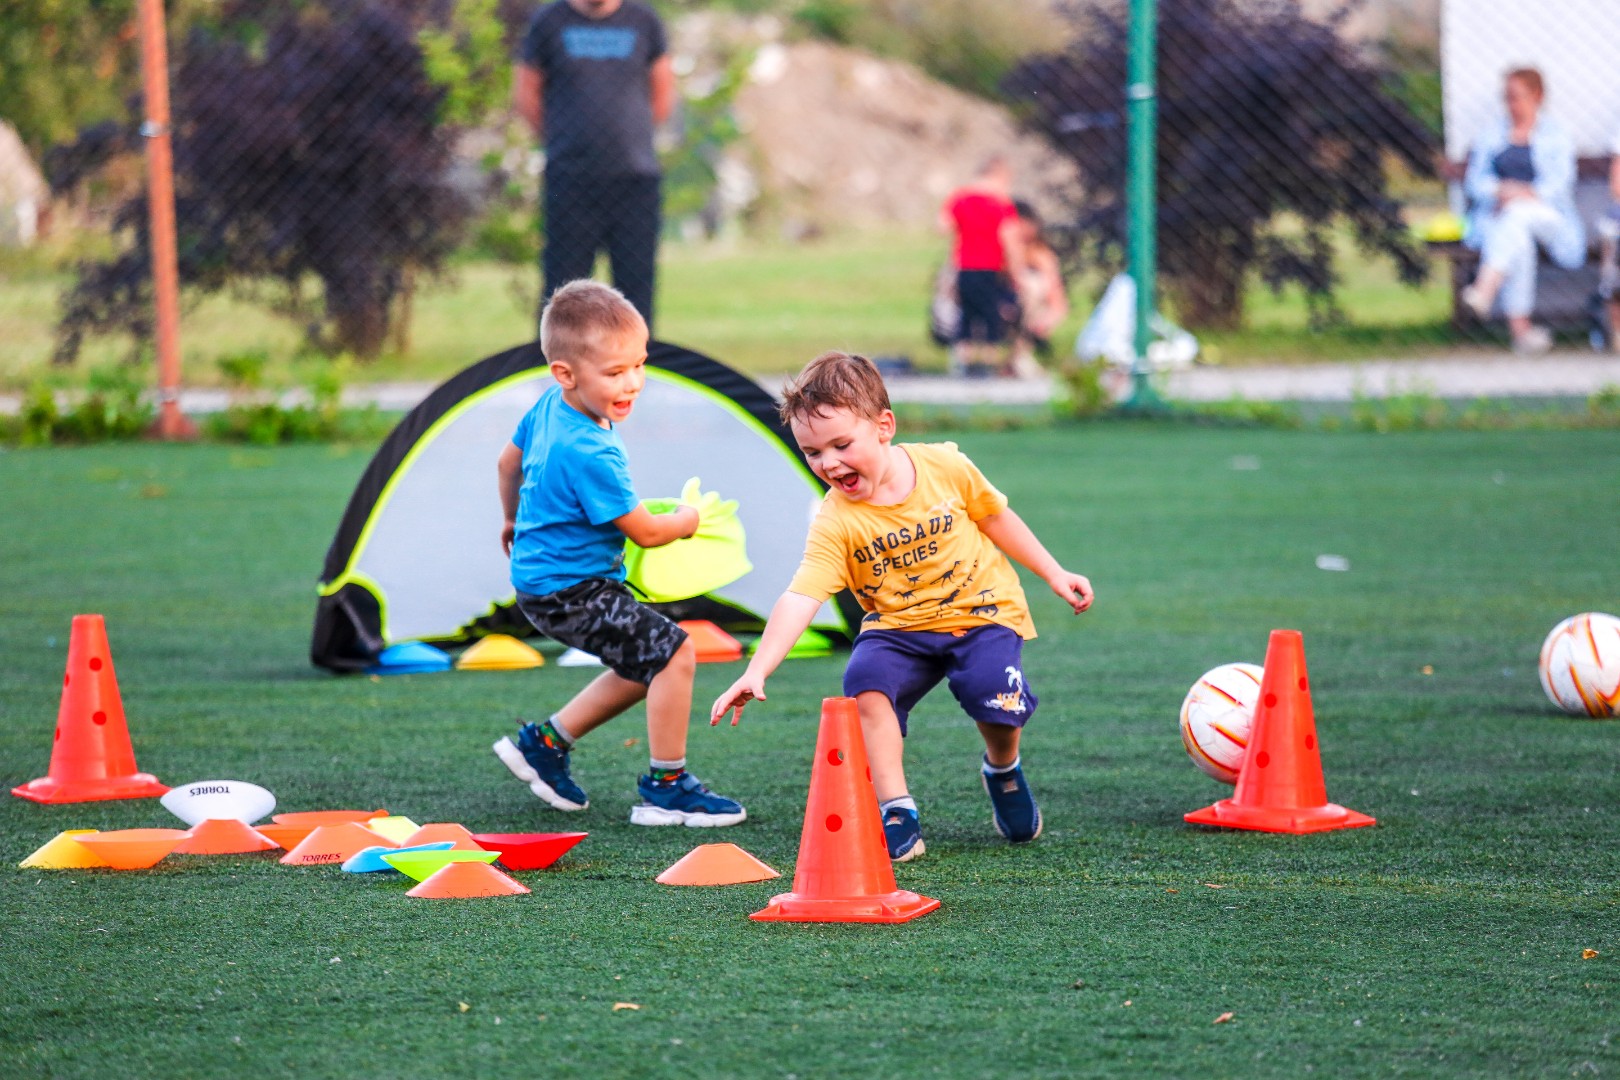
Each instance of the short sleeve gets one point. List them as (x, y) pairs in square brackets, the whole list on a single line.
[(602, 484), (979, 495), (657, 40), (1614, 147), (524, 432), (823, 572), (532, 49)]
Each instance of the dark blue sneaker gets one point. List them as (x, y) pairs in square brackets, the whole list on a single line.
[(685, 801), (543, 768), (903, 833), (1012, 806)]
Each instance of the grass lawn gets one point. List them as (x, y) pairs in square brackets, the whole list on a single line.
[(761, 307), (1446, 941)]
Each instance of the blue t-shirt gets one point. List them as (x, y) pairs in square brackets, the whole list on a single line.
[(576, 481)]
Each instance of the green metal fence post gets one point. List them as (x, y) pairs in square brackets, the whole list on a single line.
[(1141, 200)]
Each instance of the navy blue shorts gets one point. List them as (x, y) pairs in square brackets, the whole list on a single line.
[(983, 667), (983, 297)]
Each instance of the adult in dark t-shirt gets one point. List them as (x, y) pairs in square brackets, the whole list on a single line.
[(593, 79)]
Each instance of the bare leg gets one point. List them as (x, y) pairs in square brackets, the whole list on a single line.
[(605, 697), (1000, 743), (1481, 295), (669, 705), (885, 747), (1518, 325), (1614, 325)]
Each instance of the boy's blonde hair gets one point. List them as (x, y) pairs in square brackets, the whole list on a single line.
[(835, 380), (580, 314)]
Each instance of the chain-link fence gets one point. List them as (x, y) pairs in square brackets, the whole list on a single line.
[(397, 180)]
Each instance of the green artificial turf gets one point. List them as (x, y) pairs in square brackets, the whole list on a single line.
[(1446, 941)]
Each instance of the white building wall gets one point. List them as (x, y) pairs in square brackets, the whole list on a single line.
[(1575, 44)]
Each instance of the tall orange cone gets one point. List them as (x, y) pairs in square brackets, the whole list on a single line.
[(1280, 787), (843, 873), (91, 758)]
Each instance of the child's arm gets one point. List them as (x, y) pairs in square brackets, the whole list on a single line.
[(509, 473), (790, 618), (1009, 533), (649, 530)]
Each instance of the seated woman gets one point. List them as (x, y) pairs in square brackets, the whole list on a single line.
[(1043, 299), (1609, 229), (1521, 189)]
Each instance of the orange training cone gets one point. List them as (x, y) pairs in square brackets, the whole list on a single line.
[(91, 758), (224, 836), (333, 844), (64, 852), (443, 830), (843, 873), (463, 880), (1279, 787), (716, 864), (713, 644)]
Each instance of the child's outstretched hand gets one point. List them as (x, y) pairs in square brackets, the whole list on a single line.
[(1074, 589), (740, 693)]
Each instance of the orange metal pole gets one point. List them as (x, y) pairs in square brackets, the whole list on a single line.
[(171, 423)]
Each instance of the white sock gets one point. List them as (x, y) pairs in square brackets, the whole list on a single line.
[(997, 770), (904, 802)]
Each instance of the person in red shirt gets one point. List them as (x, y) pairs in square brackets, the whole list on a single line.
[(989, 257)]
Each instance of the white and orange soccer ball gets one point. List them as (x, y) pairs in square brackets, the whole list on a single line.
[(1580, 665), (1216, 718)]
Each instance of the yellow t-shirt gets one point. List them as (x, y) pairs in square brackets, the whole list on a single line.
[(921, 564)]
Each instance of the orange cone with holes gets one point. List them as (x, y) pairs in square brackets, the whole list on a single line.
[(1280, 786), (843, 873), (91, 759)]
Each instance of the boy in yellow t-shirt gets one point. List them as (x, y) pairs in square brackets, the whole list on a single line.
[(921, 538)]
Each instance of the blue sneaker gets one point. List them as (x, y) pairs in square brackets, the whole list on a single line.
[(1012, 806), (903, 833), (544, 768), (685, 801)]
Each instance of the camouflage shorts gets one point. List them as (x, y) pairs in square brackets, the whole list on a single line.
[(602, 618)]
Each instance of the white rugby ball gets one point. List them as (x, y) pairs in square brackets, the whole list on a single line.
[(203, 800), (1580, 665), (1217, 716)]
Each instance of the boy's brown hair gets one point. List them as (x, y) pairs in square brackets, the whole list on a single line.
[(835, 380), (579, 315)]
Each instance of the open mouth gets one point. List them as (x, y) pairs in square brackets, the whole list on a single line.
[(846, 483)]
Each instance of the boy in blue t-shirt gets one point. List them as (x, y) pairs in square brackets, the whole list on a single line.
[(569, 505)]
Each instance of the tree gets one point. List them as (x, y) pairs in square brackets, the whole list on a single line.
[(64, 64), (307, 145), (1271, 131)]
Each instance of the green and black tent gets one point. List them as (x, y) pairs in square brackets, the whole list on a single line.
[(417, 555)]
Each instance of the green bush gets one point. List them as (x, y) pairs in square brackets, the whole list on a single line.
[(113, 406), (264, 420), (1080, 390)]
